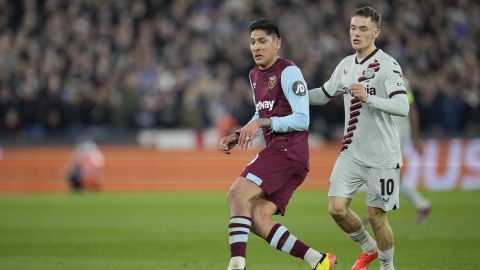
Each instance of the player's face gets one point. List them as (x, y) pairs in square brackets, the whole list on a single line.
[(363, 33), (264, 48)]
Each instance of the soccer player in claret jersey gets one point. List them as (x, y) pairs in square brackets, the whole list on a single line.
[(267, 183), (373, 89)]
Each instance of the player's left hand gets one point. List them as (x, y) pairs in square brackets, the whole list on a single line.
[(247, 133), (357, 90)]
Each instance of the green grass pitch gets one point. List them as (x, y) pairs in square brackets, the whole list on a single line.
[(188, 230)]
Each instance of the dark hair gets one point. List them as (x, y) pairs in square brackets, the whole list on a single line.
[(369, 12), (266, 25)]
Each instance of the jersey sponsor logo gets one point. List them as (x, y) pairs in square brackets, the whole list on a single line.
[(268, 104), (299, 88), (272, 80), (370, 90)]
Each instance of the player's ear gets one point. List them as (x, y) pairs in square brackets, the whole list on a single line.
[(377, 32), (278, 43)]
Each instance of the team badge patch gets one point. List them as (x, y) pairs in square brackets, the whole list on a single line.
[(299, 88), (369, 73), (272, 80)]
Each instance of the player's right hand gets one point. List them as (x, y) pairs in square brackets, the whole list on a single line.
[(247, 134), (227, 143), (358, 90)]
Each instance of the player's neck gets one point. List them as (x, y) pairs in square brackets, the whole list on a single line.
[(269, 64), (362, 53)]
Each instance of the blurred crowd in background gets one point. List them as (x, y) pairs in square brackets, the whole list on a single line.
[(111, 67)]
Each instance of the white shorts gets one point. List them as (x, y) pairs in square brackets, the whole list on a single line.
[(382, 183)]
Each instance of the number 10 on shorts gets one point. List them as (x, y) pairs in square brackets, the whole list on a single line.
[(387, 186)]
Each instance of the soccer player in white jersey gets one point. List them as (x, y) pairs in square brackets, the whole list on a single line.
[(373, 89)]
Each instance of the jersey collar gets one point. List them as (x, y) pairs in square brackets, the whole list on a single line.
[(366, 58)]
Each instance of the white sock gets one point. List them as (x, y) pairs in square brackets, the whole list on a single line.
[(386, 259), (414, 196), (368, 244), (237, 262), (312, 257)]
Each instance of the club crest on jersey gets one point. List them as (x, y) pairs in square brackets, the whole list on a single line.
[(272, 80), (370, 72)]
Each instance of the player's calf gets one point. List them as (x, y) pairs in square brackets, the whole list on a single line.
[(281, 239)]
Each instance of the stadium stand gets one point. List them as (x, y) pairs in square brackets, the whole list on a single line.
[(113, 67)]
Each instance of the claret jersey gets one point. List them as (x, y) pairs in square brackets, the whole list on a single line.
[(370, 136), (281, 94)]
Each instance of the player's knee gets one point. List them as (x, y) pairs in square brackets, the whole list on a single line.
[(376, 217), (237, 195), (233, 196), (337, 211)]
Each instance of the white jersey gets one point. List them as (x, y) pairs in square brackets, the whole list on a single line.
[(370, 137)]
